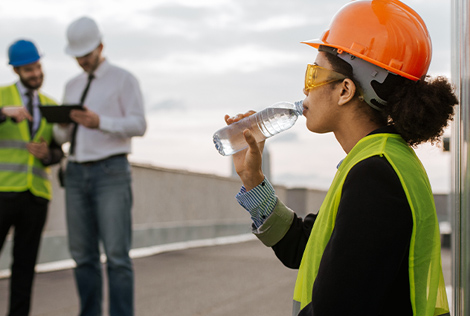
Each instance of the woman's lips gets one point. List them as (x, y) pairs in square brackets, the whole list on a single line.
[(305, 109)]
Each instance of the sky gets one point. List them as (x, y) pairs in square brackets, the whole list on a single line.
[(197, 60)]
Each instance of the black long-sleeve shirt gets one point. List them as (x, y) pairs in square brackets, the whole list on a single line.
[(364, 268)]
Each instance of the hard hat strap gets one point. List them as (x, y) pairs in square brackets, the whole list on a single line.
[(366, 75)]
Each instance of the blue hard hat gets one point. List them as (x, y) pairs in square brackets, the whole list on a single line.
[(23, 52)]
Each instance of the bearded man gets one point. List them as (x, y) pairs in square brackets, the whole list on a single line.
[(26, 150)]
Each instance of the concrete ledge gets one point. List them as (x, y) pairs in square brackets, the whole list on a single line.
[(144, 252), (151, 236), (446, 233), (55, 247)]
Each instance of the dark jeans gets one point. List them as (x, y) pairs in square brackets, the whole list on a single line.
[(99, 203), (27, 214)]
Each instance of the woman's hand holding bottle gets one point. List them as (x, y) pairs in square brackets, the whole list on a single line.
[(248, 161)]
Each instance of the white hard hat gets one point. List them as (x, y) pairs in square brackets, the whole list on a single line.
[(83, 36)]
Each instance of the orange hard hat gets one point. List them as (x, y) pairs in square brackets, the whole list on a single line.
[(386, 33)]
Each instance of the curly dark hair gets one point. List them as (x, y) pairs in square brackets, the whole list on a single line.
[(419, 111)]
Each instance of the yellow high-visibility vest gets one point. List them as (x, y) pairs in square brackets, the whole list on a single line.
[(427, 289), (19, 170)]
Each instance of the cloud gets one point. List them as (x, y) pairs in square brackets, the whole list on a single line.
[(249, 58)]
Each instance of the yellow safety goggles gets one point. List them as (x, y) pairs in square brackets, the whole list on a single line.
[(316, 76)]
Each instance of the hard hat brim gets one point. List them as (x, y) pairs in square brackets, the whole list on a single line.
[(316, 43), (82, 51), (25, 62)]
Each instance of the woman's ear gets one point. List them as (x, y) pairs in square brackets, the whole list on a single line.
[(347, 91)]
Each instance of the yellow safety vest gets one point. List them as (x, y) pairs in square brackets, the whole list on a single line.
[(19, 170), (427, 289)]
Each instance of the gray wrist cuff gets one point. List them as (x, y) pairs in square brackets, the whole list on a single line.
[(276, 225)]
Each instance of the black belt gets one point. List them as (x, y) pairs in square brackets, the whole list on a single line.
[(91, 163)]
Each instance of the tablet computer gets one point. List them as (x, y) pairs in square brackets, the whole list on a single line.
[(59, 113)]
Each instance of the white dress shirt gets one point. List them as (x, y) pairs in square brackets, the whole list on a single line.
[(115, 95)]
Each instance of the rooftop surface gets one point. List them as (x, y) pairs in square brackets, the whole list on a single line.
[(231, 280)]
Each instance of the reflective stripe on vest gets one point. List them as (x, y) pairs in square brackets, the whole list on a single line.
[(19, 169), (12, 144), (24, 169), (427, 289)]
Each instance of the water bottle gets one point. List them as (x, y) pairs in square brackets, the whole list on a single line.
[(264, 124)]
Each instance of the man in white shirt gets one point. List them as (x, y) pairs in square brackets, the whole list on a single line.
[(97, 178)]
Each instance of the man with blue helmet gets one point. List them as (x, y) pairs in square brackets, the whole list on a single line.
[(26, 150)]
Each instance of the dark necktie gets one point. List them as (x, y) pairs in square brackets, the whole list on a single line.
[(29, 106), (75, 125)]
